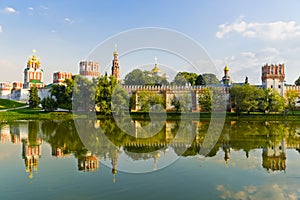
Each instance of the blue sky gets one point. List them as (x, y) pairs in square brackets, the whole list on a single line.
[(243, 34)]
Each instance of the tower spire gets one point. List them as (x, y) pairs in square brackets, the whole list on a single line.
[(115, 69)]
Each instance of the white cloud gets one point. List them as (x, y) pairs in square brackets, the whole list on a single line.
[(277, 30), (30, 8), (68, 20), (266, 191), (1, 30), (249, 64), (9, 10)]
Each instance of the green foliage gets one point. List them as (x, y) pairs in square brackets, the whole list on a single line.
[(49, 104), (291, 96), (7, 104), (103, 94), (34, 98), (63, 94), (147, 99), (120, 101), (297, 82), (139, 77), (200, 80), (210, 79), (83, 94), (182, 78), (245, 97), (248, 98), (205, 99), (181, 102)]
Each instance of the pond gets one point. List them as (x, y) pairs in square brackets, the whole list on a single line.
[(95, 159)]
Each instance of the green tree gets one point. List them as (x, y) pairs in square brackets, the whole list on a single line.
[(63, 94), (271, 101), (34, 98), (83, 94), (181, 102), (182, 78), (103, 94), (49, 104), (245, 98), (210, 79), (139, 77), (147, 99), (135, 77), (120, 101), (200, 80), (297, 82), (205, 99), (291, 97)]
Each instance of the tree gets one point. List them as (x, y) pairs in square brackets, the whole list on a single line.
[(120, 101), (181, 102), (271, 101), (205, 99), (49, 104), (135, 77), (147, 99), (200, 80), (291, 97), (83, 94), (182, 78), (297, 82), (139, 77), (103, 94), (210, 79), (245, 97), (34, 98), (63, 94)]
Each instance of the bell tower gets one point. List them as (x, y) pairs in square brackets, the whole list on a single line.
[(115, 69)]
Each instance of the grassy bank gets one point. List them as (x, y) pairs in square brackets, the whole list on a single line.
[(9, 104), (27, 113)]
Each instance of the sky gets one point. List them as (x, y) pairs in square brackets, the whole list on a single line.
[(243, 34)]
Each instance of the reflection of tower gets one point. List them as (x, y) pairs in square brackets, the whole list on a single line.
[(5, 135), (33, 74), (88, 162), (31, 154), (115, 69), (155, 157), (114, 163), (226, 77), (226, 148), (274, 157)]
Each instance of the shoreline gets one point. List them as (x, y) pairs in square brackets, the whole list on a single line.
[(59, 115)]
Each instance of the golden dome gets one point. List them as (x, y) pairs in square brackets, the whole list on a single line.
[(115, 53), (155, 69), (226, 68)]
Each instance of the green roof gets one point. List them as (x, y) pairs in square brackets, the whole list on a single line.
[(35, 81)]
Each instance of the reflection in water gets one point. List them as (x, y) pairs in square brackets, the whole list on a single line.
[(273, 138)]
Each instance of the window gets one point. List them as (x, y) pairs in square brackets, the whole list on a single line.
[(279, 86), (271, 86)]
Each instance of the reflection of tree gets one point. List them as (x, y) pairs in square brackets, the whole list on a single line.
[(63, 134)]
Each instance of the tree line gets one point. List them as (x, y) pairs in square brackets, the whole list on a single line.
[(97, 95)]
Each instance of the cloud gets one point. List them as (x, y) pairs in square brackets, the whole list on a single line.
[(277, 30), (266, 191), (1, 30), (10, 10), (68, 20), (249, 63), (30, 8)]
